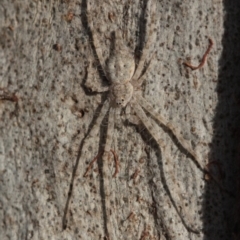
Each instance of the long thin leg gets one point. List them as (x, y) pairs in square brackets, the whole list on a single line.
[(107, 147), (174, 130), (130, 117), (138, 83), (96, 42), (93, 132), (102, 114), (143, 117), (147, 106), (118, 114), (91, 83), (105, 171), (110, 129), (150, 40)]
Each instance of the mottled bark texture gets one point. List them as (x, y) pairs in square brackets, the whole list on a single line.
[(46, 112)]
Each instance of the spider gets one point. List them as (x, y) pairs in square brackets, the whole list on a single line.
[(126, 78)]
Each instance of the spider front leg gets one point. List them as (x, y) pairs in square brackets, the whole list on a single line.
[(91, 83), (95, 38)]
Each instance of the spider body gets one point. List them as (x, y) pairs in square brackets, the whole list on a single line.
[(125, 78)]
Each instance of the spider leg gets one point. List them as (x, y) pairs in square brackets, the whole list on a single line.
[(92, 134), (138, 83), (130, 117), (143, 117), (149, 108), (91, 83), (110, 129), (95, 38), (143, 103), (118, 114), (105, 170), (128, 111), (139, 70), (107, 147)]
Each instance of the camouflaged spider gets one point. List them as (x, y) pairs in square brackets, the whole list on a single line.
[(126, 78)]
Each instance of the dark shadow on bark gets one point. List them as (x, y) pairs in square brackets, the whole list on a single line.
[(221, 209), (102, 130), (159, 224), (70, 191)]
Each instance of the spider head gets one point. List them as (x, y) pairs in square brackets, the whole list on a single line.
[(121, 94)]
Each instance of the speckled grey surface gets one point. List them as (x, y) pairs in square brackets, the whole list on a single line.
[(45, 51)]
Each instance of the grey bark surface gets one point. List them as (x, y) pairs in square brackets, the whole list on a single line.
[(46, 47)]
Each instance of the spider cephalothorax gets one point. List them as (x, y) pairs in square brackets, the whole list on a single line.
[(121, 94)]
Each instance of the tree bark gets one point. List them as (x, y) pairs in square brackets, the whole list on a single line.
[(47, 113)]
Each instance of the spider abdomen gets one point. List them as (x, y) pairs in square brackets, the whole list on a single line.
[(121, 66)]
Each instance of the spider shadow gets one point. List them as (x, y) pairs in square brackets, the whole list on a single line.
[(142, 33), (102, 139), (151, 142), (102, 134)]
